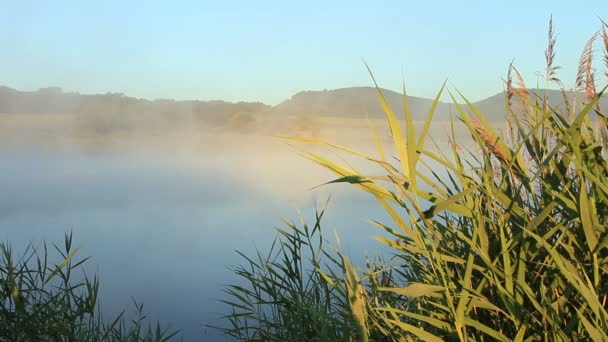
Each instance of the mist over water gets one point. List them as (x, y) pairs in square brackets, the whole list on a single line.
[(161, 222)]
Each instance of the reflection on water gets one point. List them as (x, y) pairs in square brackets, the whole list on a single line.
[(161, 226)]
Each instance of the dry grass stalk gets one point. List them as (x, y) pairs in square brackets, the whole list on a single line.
[(520, 91), (605, 39), (509, 85), (590, 91), (490, 141), (509, 96), (551, 70), (584, 64)]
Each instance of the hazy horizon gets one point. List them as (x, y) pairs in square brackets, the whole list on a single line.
[(266, 51)]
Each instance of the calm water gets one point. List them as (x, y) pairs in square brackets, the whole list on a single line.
[(162, 227)]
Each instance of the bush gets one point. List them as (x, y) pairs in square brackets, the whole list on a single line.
[(42, 302), (511, 244), (288, 297)]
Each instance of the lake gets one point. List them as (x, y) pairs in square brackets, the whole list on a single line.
[(161, 223)]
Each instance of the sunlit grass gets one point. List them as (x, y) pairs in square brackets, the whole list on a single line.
[(509, 242)]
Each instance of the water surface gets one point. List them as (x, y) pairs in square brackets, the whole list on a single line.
[(162, 225)]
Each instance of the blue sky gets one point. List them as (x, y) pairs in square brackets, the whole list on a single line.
[(268, 50)]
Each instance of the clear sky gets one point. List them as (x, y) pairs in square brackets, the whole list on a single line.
[(269, 50)]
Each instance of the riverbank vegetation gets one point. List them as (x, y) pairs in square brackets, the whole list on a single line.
[(509, 243), (44, 300)]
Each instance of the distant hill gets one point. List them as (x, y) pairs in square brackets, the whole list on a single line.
[(118, 108), (54, 100), (494, 106), (362, 101), (353, 102)]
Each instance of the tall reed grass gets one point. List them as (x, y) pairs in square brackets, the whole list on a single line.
[(511, 244), (44, 301), (286, 296)]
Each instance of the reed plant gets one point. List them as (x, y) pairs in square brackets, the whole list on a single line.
[(509, 243), (44, 301), (285, 295)]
